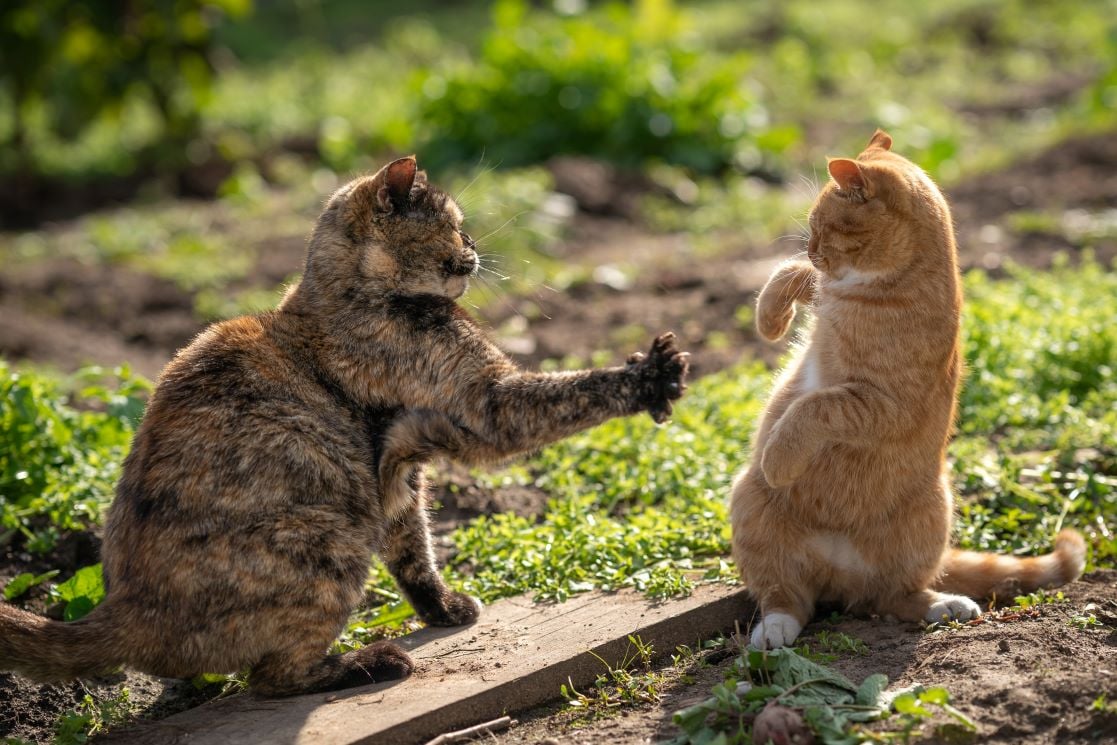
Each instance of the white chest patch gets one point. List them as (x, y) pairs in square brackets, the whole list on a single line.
[(809, 377), (855, 278), (837, 551)]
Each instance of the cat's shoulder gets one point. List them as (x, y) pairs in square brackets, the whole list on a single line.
[(224, 351)]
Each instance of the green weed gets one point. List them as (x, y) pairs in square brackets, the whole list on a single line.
[(92, 717), (1103, 705), (58, 463), (630, 682), (1037, 598), (826, 646)]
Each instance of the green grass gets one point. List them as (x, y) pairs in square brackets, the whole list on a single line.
[(636, 505)]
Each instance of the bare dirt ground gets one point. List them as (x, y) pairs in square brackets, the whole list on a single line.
[(1030, 680), (1022, 678)]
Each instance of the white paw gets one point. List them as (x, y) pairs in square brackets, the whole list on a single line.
[(775, 630), (952, 608)]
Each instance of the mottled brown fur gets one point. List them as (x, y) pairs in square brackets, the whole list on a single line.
[(252, 499), (847, 497)]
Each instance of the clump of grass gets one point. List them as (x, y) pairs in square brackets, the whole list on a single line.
[(630, 682)]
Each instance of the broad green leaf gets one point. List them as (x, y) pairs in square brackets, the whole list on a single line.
[(868, 693), (86, 583), (21, 583), (77, 608), (937, 695), (909, 703)]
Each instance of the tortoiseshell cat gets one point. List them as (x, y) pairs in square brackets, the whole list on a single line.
[(279, 451), (848, 498)]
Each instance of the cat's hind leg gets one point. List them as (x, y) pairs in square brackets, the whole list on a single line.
[(304, 669), (767, 547), (410, 558), (929, 606), (783, 616)]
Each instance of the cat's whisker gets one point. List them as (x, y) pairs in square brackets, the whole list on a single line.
[(502, 298), (505, 224), (482, 172)]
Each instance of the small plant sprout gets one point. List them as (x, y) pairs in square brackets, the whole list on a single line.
[(1086, 619), (631, 682)]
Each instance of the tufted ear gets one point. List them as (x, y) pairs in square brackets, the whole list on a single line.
[(394, 182), (847, 174), (881, 140)]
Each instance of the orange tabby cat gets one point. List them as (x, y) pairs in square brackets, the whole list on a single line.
[(847, 498)]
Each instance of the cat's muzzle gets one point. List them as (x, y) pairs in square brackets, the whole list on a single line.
[(460, 268)]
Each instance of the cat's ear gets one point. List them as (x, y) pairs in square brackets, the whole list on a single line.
[(394, 182), (881, 140), (847, 174)]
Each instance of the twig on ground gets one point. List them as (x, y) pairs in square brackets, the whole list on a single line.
[(469, 733)]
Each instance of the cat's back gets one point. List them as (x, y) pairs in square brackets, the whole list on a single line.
[(239, 419)]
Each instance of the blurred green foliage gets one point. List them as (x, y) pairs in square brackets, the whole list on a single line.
[(627, 84), (962, 84), (64, 64)]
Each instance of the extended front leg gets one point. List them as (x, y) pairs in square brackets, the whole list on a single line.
[(855, 413), (524, 411), (517, 412), (410, 558), (792, 282)]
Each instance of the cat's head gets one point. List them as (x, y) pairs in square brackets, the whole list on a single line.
[(395, 233), (875, 215)]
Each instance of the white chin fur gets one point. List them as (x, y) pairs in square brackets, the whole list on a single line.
[(456, 287), (775, 630)]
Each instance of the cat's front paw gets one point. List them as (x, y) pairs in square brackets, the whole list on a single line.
[(456, 609), (784, 460), (662, 373), (775, 630), (773, 322)]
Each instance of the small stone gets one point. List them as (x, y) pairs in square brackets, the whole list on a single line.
[(1002, 645)]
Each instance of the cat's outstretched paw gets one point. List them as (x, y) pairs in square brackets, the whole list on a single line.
[(952, 608), (662, 371), (775, 630)]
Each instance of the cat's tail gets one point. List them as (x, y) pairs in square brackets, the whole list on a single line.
[(979, 575), (45, 650)]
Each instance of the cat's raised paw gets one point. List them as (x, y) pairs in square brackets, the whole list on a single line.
[(771, 324), (952, 608), (784, 461), (775, 630), (662, 372)]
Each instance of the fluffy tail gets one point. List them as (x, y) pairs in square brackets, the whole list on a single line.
[(45, 650), (978, 575)]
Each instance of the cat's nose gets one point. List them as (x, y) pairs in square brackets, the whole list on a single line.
[(461, 267)]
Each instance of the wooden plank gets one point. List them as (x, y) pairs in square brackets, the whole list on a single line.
[(515, 657)]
